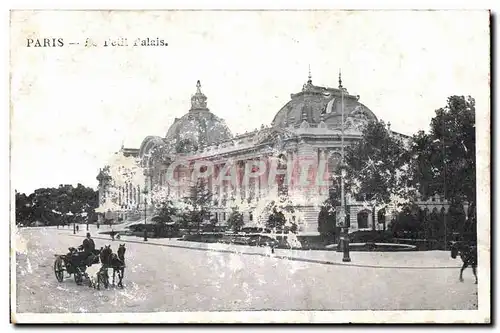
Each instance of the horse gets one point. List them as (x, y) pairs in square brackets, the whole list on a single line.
[(102, 275), (114, 261), (468, 254), (118, 264)]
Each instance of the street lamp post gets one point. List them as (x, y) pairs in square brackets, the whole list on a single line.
[(344, 238), (84, 214), (74, 221), (444, 186), (145, 192)]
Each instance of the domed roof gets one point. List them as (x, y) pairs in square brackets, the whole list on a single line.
[(199, 127), (315, 104)]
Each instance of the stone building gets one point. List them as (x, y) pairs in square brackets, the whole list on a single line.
[(307, 127)]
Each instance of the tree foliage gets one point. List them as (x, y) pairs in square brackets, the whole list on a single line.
[(166, 211), (327, 218), (445, 158), (376, 167), (53, 206), (235, 220), (276, 219), (197, 205)]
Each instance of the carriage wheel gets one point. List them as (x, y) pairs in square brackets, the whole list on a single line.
[(59, 269)]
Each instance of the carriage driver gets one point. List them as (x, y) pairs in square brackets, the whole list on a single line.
[(87, 247)]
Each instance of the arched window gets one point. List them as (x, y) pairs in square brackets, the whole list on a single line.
[(363, 219)]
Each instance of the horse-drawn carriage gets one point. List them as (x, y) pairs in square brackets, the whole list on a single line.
[(77, 262)]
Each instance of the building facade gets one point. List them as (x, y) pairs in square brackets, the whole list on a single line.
[(307, 128)]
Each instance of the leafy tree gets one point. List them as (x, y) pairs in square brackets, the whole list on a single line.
[(235, 220), (276, 220), (327, 222), (166, 211), (163, 215), (197, 205), (377, 167), (445, 158), (24, 208), (52, 205)]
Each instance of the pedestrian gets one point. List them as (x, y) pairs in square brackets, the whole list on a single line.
[(77, 228)]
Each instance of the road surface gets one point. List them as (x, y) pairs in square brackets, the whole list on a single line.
[(159, 278)]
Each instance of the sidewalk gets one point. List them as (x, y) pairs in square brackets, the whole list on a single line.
[(391, 260)]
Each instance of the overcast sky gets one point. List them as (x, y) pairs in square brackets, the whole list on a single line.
[(73, 106)]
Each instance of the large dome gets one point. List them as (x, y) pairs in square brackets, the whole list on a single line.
[(199, 127), (315, 103)]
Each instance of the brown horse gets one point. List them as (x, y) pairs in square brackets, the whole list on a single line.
[(468, 254)]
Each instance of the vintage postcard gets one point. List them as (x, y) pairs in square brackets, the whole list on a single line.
[(271, 166)]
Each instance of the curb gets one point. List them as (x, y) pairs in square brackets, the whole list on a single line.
[(314, 261)]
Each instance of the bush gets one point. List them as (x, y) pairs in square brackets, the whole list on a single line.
[(375, 236)]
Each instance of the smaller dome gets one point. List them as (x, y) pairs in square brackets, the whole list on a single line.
[(199, 127)]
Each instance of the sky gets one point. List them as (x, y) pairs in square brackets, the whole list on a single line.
[(72, 106)]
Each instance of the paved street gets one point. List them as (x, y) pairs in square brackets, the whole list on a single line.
[(166, 278)]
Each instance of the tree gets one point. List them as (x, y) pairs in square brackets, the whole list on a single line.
[(235, 220), (163, 215), (276, 220), (166, 211), (445, 158), (377, 167), (52, 205), (24, 209), (197, 206), (327, 218)]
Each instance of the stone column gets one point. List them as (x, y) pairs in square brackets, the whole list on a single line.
[(246, 186), (322, 175)]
